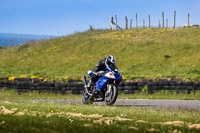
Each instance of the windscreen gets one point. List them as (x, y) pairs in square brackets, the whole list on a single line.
[(113, 67)]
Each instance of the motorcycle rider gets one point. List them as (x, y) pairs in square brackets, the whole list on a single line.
[(100, 68)]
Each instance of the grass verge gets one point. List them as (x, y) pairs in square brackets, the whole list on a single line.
[(13, 95), (60, 118)]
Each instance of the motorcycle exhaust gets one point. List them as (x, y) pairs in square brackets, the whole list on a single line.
[(84, 80), (85, 85)]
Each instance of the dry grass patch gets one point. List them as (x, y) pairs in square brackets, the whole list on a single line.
[(194, 126), (7, 102), (134, 128), (174, 123), (3, 122), (153, 130), (106, 121), (4, 110), (87, 125), (20, 113), (84, 116), (176, 131), (141, 121)]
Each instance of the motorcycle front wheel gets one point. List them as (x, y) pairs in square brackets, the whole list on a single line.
[(111, 97)]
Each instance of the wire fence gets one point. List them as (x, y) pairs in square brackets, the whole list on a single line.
[(149, 22)]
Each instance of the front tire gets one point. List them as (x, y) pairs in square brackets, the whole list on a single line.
[(112, 97)]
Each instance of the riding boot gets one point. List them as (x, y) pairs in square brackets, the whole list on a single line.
[(91, 82)]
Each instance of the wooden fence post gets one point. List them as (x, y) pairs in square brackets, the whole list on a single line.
[(126, 22), (111, 24), (136, 21), (159, 24), (163, 20), (188, 19), (116, 22), (149, 21), (166, 23), (174, 19), (143, 23), (131, 24)]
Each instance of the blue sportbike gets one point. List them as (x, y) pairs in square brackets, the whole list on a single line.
[(105, 89)]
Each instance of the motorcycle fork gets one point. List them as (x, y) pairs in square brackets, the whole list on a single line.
[(109, 86)]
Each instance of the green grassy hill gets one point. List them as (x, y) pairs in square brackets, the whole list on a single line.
[(142, 53)]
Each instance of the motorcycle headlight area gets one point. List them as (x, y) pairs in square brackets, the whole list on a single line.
[(110, 75)]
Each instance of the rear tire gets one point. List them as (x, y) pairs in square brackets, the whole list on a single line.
[(110, 100), (86, 99)]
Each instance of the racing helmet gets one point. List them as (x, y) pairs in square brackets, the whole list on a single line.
[(110, 60)]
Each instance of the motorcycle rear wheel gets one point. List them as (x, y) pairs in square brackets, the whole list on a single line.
[(112, 97), (86, 99)]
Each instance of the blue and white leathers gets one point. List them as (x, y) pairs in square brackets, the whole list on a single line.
[(111, 75)]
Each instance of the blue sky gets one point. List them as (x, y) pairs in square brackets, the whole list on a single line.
[(62, 17)]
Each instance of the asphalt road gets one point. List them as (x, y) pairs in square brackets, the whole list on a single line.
[(172, 104)]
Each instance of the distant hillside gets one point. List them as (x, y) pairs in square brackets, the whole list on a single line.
[(141, 53), (8, 39)]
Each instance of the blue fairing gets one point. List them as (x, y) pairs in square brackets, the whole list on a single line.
[(104, 80), (101, 83), (90, 75)]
